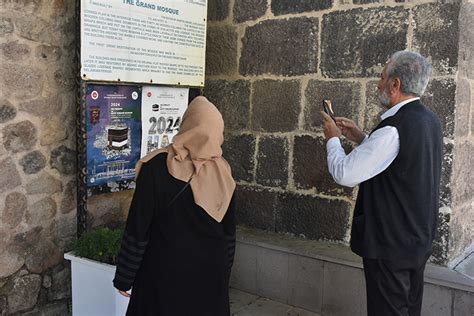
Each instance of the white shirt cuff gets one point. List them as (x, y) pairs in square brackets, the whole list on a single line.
[(333, 142)]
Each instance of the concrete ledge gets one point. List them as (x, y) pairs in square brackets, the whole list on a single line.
[(328, 278)]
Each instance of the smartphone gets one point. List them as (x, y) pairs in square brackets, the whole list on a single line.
[(327, 107)]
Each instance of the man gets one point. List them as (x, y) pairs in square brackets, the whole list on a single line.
[(398, 170)]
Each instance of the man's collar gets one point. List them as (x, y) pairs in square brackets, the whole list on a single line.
[(394, 109)]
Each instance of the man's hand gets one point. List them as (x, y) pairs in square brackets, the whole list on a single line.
[(350, 130), (330, 128), (124, 293)]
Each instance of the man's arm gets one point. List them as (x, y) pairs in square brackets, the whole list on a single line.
[(373, 155), (367, 160)]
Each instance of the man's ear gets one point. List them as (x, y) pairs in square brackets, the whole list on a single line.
[(395, 85)]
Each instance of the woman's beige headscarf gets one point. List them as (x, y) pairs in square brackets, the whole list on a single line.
[(196, 152)]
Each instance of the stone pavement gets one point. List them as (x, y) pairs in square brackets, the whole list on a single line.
[(245, 304)]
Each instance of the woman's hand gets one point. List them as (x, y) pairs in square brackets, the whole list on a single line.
[(350, 130), (124, 293)]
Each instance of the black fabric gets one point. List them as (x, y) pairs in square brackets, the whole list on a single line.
[(396, 211), (394, 288), (185, 267)]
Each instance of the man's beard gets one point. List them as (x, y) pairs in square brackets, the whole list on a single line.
[(384, 98)]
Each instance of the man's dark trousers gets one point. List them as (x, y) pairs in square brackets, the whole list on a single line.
[(394, 288)]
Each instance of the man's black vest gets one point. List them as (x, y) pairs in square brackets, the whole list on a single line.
[(396, 211)]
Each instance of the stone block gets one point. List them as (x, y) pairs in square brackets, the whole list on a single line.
[(60, 308), (272, 274), (255, 207), (463, 172), (44, 107), (12, 261), (436, 35), (246, 10), (25, 6), (440, 96), (344, 290), (63, 159), (48, 53), (3, 305), (52, 131), (463, 107), (19, 136), (232, 100), (16, 204), (221, 50), (7, 111), (217, 10), (10, 178), (305, 283), (312, 217), (441, 240), (43, 256), (437, 301), (280, 47), (373, 109), (272, 162), (358, 42), (68, 200), (15, 75), (6, 26), (466, 40), (41, 211), (244, 270), (310, 167), (345, 97), (368, 1), (44, 183), (33, 162), (275, 105), (239, 151), (280, 7), (61, 285), (14, 51), (463, 303), (24, 293), (446, 172)]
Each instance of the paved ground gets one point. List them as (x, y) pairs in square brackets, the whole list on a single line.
[(245, 304)]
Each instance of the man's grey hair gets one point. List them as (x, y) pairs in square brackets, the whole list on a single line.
[(412, 69)]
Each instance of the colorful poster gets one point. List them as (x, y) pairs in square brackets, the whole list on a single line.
[(162, 111), (113, 133), (153, 41)]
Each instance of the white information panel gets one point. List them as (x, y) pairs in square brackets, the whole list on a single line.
[(152, 41), (162, 112)]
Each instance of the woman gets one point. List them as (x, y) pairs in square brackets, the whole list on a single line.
[(179, 240)]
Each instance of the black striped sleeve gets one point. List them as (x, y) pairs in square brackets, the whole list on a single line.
[(135, 237)]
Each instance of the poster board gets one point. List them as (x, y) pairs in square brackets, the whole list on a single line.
[(162, 112), (113, 125), (152, 41)]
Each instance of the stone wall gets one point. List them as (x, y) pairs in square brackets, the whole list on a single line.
[(37, 155), (269, 65)]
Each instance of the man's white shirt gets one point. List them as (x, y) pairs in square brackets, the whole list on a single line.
[(373, 155)]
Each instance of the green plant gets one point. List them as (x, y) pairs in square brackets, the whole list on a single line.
[(100, 244)]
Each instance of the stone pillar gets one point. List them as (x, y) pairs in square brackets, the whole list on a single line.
[(269, 65), (37, 155)]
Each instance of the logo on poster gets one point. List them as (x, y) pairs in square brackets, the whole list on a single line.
[(148, 94), (94, 95), (134, 95)]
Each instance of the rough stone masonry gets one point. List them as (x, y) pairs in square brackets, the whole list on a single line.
[(269, 64)]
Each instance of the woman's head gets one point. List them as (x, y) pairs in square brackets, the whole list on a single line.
[(201, 132)]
